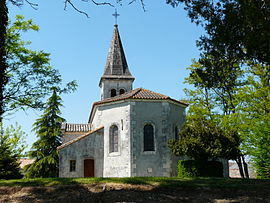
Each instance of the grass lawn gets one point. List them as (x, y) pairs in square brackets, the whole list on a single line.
[(229, 183)]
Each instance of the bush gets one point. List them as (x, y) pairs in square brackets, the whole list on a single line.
[(196, 168)]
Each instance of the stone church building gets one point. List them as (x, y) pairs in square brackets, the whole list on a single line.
[(127, 131)]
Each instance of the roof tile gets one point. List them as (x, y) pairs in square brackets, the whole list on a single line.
[(71, 127), (139, 93)]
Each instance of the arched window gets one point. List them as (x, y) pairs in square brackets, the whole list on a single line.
[(114, 138), (122, 91), (113, 92), (176, 136), (148, 138)]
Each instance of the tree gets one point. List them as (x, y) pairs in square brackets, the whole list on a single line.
[(202, 138), (234, 28), (3, 54), (12, 144), (44, 150), (256, 114), (237, 40), (29, 73), (4, 77), (15, 139), (259, 147), (216, 91), (9, 165)]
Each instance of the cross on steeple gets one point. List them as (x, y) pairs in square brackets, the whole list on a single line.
[(116, 16)]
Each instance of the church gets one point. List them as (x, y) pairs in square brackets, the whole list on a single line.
[(127, 131)]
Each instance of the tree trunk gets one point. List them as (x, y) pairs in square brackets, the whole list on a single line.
[(240, 166), (245, 167), (3, 53)]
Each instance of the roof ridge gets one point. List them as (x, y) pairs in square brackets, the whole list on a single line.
[(136, 91), (79, 138)]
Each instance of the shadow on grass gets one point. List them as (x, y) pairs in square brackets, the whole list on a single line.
[(153, 181), (164, 190)]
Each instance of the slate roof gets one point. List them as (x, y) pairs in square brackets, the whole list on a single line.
[(78, 138), (116, 64), (71, 127)]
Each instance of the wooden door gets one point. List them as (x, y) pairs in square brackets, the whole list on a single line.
[(89, 168)]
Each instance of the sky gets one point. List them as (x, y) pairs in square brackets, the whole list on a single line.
[(159, 45)]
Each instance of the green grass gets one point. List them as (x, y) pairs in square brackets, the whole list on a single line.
[(154, 181)]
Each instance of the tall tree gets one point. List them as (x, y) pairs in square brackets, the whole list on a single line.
[(3, 54), (44, 150), (256, 116), (234, 28), (29, 73), (216, 91), (237, 33)]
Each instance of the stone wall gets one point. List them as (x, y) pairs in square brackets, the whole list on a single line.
[(117, 84), (89, 147), (164, 116), (71, 136), (116, 164)]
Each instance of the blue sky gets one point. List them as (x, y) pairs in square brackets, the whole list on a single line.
[(159, 45)]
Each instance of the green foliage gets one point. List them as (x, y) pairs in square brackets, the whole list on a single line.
[(202, 138), (44, 150), (217, 84), (256, 113), (232, 77), (257, 144), (235, 59), (11, 147), (207, 133), (234, 29), (260, 148), (196, 168), (238, 102), (30, 75), (15, 139), (9, 165)]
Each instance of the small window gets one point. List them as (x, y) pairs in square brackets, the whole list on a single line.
[(113, 92), (176, 136), (122, 91), (114, 138), (72, 165), (148, 138)]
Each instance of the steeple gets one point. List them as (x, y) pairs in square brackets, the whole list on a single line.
[(116, 78), (116, 64)]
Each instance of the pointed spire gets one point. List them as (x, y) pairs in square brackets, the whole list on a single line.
[(116, 64)]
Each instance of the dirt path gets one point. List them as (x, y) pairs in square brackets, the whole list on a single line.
[(126, 193)]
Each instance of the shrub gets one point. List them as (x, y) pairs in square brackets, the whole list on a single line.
[(198, 168)]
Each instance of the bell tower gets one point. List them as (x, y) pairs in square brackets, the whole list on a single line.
[(116, 78)]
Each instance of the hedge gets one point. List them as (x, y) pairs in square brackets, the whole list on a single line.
[(198, 168)]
